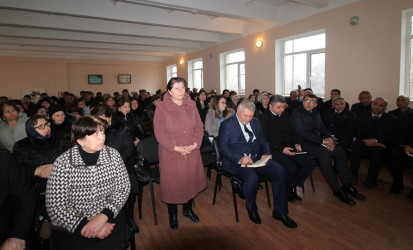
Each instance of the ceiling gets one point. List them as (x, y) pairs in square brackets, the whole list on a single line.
[(144, 30)]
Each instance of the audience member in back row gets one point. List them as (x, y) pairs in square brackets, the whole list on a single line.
[(292, 101), (12, 125), (364, 105), (341, 123), (317, 142), (261, 104), (217, 114), (328, 105), (375, 133), (59, 123), (284, 143), (17, 205), (403, 108), (402, 155)]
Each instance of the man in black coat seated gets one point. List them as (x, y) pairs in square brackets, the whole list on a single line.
[(328, 105), (341, 123), (17, 204), (284, 144), (364, 105), (317, 141), (403, 109), (293, 101), (403, 154), (375, 134)]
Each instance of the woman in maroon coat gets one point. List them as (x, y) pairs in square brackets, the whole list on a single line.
[(179, 131)]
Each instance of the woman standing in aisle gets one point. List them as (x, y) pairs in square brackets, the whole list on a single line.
[(179, 131)]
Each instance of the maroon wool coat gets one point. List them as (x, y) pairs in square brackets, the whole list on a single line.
[(181, 179)]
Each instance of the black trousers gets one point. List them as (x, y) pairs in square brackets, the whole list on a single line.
[(340, 162), (173, 208), (250, 179), (297, 167), (397, 161), (377, 157)]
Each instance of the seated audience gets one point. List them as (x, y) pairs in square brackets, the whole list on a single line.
[(111, 102), (328, 105), (201, 103), (17, 205), (251, 98), (375, 134), (241, 142), (135, 126), (320, 102), (284, 143), (341, 123), (150, 110), (317, 141), (364, 105), (12, 125), (403, 108), (60, 123), (216, 115)]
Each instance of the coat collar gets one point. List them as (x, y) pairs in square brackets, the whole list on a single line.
[(77, 161), (170, 105)]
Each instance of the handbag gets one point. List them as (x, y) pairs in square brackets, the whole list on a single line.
[(206, 146)]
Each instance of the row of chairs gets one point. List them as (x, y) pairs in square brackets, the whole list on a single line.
[(148, 149)]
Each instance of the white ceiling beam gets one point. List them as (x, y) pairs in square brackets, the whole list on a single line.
[(104, 9), (78, 55), (84, 50), (312, 3), (76, 44), (91, 37), (70, 23), (250, 10)]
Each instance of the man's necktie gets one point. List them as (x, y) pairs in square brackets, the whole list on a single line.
[(250, 134)]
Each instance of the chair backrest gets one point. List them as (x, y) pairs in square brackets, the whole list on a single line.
[(148, 148)]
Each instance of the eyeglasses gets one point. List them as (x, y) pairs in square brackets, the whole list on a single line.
[(223, 103), (310, 101), (43, 126)]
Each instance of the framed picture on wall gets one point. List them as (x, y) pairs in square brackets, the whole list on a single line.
[(95, 79), (124, 78)]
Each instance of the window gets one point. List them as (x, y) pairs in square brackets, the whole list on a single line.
[(233, 71), (300, 60), (195, 74), (171, 71), (406, 61)]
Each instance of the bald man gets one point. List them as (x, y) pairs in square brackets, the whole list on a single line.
[(403, 109)]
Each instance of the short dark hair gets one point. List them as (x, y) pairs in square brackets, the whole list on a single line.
[(336, 90), (33, 119), (310, 96), (102, 109), (276, 99), (174, 80), (255, 90), (122, 102), (364, 92), (86, 125)]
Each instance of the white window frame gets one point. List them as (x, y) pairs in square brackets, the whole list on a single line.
[(191, 73), (171, 71), (223, 72), (279, 61), (405, 53)]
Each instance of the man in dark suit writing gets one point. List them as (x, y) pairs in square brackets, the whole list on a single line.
[(241, 142)]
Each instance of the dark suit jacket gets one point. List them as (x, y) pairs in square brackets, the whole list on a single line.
[(233, 145), (384, 130), (341, 125), (398, 114), (309, 126), (358, 109), (278, 131), (17, 200), (406, 130)]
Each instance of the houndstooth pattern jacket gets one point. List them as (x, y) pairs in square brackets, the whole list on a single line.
[(76, 191)]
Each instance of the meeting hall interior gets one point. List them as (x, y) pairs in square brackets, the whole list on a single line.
[(276, 46)]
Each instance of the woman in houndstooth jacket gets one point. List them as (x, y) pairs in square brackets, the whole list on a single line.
[(86, 191)]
